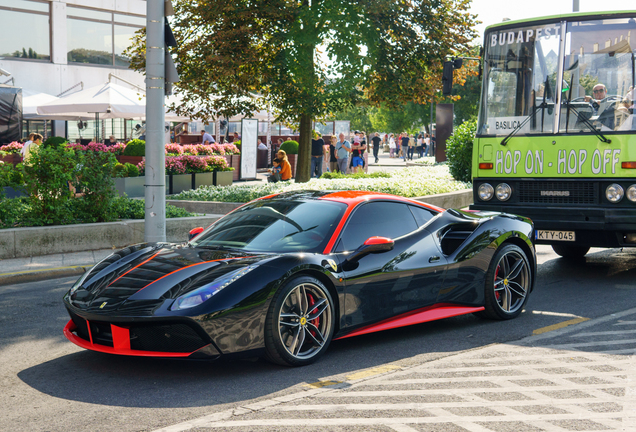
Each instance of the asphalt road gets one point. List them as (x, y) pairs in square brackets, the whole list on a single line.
[(48, 384)]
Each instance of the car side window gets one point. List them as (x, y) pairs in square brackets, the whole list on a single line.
[(422, 215), (380, 218)]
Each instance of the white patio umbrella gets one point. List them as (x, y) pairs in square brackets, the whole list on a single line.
[(106, 101), (32, 100)]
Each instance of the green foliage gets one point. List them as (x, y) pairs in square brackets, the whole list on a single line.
[(459, 151), (290, 147), (54, 142), (131, 170), (12, 211), (120, 171), (127, 208), (358, 116), (339, 175), (10, 176), (135, 147), (47, 179), (409, 117), (94, 176)]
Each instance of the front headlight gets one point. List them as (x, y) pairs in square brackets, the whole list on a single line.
[(631, 193), (503, 191), (614, 193), (199, 295), (485, 192)]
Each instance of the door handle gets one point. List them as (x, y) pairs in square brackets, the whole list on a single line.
[(434, 259)]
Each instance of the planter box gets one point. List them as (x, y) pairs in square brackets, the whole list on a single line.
[(131, 186), (202, 179), (180, 183), (129, 159), (236, 164), (11, 158), (223, 178)]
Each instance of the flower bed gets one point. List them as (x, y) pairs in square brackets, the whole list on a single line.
[(13, 147), (409, 182)]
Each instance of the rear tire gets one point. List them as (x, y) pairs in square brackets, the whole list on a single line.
[(300, 322), (569, 251), (508, 282)]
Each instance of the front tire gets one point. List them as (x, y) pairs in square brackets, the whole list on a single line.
[(569, 251), (508, 283), (300, 322)]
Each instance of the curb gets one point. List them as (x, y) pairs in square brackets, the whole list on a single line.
[(38, 275)]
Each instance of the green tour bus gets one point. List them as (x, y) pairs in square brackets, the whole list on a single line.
[(556, 135)]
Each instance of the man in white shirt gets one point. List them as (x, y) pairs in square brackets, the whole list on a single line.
[(206, 138)]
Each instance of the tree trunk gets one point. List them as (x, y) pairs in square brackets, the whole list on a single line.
[(303, 163)]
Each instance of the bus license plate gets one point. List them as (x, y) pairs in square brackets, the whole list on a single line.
[(555, 235)]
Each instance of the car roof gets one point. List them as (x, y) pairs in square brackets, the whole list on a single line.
[(349, 197)]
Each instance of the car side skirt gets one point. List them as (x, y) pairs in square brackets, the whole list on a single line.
[(121, 344), (418, 316)]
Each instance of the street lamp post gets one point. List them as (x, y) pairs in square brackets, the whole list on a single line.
[(155, 216)]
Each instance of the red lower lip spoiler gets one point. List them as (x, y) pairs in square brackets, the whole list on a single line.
[(121, 342)]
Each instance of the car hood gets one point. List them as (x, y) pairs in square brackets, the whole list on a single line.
[(137, 279)]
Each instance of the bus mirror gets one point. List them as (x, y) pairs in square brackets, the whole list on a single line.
[(447, 78)]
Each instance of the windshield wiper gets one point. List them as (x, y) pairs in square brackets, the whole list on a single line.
[(586, 122), (542, 105)]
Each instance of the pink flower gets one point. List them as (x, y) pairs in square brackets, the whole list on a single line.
[(12, 147)]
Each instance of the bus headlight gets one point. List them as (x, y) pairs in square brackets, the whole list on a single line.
[(485, 192), (614, 193), (631, 193), (503, 191)]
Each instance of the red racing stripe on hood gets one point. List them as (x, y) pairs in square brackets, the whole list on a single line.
[(192, 265), (139, 265)]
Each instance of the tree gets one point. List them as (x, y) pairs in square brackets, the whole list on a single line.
[(358, 116), (409, 117), (310, 58)]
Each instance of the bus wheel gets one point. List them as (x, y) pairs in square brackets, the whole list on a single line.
[(569, 251)]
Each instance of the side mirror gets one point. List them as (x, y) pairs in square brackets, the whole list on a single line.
[(372, 245), (195, 232)]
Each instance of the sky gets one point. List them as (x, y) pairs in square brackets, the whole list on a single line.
[(494, 11)]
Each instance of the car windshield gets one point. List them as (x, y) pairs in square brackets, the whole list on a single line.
[(276, 226)]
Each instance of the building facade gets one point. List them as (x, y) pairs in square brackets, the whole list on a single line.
[(57, 46)]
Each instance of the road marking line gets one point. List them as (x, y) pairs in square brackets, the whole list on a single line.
[(625, 323), (371, 372), (559, 325), (591, 344), (320, 384), (604, 333), (402, 428), (559, 314)]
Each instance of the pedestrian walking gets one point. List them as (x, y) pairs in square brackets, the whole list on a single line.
[(391, 146), (343, 148), (376, 145), (405, 145), (427, 143), (317, 155), (333, 160)]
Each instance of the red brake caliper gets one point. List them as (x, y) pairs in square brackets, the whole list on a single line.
[(497, 293), (316, 322)]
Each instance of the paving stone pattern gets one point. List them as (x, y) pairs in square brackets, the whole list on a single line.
[(584, 380)]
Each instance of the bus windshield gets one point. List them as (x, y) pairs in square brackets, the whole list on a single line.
[(593, 82)]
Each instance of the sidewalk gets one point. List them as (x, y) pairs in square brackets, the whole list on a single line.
[(20, 270)]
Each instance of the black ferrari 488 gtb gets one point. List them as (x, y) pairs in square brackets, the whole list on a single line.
[(284, 275)]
